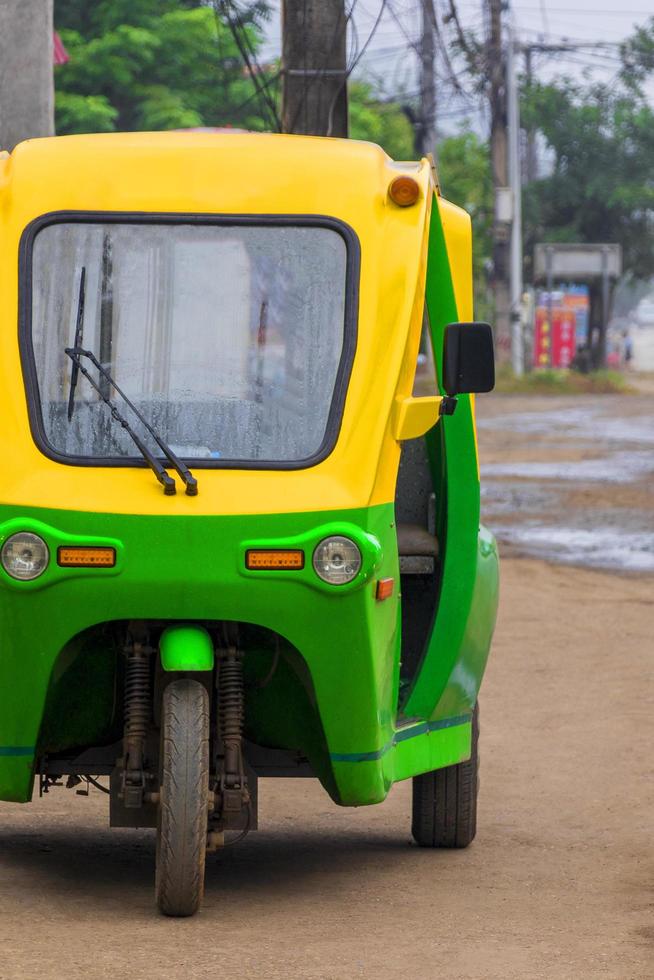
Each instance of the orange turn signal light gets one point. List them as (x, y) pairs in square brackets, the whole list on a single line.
[(384, 589), (404, 191), (83, 556), (267, 559)]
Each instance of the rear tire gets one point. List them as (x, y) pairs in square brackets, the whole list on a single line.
[(182, 820), (445, 801)]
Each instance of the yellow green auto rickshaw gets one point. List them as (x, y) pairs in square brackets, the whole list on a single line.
[(239, 514)]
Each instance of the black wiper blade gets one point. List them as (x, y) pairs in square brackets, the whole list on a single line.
[(79, 323), (185, 474), (164, 479)]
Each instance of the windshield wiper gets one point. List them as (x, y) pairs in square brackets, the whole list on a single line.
[(79, 323), (76, 353), (164, 479)]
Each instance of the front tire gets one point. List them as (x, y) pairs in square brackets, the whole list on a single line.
[(182, 820), (445, 801)]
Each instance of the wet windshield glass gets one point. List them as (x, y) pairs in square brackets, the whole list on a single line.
[(227, 338)]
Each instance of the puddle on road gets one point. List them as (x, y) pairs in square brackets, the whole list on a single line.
[(499, 499), (527, 503), (586, 422), (611, 548), (620, 467)]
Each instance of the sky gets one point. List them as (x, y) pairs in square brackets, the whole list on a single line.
[(389, 58)]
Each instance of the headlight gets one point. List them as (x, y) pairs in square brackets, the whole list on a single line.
[(337, 560), (24, 556)]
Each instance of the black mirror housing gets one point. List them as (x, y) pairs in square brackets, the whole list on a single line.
[(468, 359)]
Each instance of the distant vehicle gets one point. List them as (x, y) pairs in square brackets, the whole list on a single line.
[(644, 312)]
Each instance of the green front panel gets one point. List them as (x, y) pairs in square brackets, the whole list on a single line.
[(337, 691), (334, 695)]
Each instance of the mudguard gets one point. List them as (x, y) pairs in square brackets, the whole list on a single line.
[(186, 647)]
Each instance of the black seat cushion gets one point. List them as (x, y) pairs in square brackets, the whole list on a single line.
[(415, 540)]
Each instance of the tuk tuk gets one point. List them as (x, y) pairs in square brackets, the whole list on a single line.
[(239, 514)]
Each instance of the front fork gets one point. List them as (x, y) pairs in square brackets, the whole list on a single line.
[(230, 794)]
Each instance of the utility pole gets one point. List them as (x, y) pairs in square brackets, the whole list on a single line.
[(499, 164), (26, 71), (531, 172), (314, 67), (426, 134), (515, 178)]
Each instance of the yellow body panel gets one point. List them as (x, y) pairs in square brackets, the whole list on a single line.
[(458, 241), (234, 174), (415, 416)]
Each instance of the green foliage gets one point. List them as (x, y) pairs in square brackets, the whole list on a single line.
[(379, 122), (553, 382), (153, 64), (466, 180), (84, 113), (602, 185), (638, 57)]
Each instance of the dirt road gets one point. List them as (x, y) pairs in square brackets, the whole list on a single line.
[(571, 479), (558, 884)]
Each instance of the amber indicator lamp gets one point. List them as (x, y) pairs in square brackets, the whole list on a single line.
[(85, 556), (404, 191), (267, 559), (384, 589)]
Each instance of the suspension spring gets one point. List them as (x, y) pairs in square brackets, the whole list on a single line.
[(232, 713), (137, 706)]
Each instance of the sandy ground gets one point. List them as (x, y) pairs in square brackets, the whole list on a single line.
[(558, 884)]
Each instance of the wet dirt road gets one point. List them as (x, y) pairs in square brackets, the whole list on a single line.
[(558, 884), (571, 479)]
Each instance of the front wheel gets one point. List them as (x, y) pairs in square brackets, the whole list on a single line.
[(445, 801), (182, 821)]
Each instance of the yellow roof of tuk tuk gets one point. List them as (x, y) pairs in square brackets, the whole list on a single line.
[(198, 172)]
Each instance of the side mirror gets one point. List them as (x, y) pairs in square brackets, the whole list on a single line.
[(468, 358)]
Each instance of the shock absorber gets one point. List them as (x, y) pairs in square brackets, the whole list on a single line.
[(137, 710), (233, 794), (232, 713)]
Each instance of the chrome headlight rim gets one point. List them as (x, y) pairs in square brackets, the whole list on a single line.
[(28, 537), (341, 575)]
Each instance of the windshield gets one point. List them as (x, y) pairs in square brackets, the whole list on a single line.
[(228, 338)]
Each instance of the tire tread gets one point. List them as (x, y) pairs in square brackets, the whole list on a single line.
[(182, 825), (445, 801)]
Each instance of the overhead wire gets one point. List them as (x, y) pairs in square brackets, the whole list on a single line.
[(238, 30)]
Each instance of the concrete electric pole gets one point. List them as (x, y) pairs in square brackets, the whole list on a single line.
[(314, 67), (515, 179), (426, 141), (26, 71), (500, 169)]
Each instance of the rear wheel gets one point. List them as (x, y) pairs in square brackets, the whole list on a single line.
[(445, 801), (182, 821)]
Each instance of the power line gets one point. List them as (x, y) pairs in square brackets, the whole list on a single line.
[(573, 11), (543, 14), (371, 35), (239, 32)]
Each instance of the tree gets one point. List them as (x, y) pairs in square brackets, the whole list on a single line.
[(155, 64), (637, 55), (379, 121), (601, 188), (466, 179)]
